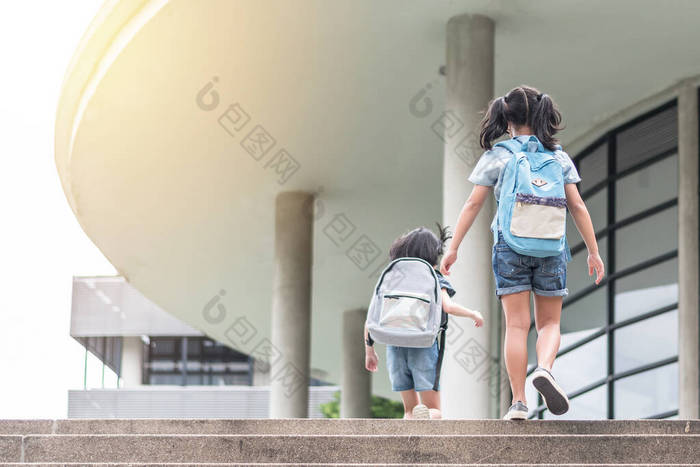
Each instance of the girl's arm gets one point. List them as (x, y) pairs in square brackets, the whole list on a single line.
[(582, 219), (466, 218), (456, 309), (371, 359)]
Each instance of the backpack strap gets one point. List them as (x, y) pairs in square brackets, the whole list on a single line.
[(441, 354), (512, 145)]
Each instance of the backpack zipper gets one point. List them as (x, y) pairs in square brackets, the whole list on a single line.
[(406, 295)]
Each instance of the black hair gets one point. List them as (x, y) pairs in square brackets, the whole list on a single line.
[(521, 106), (420, 243)]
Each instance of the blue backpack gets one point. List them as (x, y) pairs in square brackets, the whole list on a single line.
[(532, 203)]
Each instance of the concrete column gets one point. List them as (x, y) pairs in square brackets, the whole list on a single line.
[(356, 382), (466, 375), (132, 361), (291, 306), (688, 267)]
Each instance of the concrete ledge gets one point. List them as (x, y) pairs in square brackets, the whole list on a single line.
[(465, 449), (11, 449), (255, 464), (346, 427), (21, 427)]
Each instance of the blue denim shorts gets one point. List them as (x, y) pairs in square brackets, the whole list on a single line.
[(412, 367), (515, 272)]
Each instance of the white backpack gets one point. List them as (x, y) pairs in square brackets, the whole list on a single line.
[(406, 307)]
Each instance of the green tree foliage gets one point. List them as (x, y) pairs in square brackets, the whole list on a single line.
[(381, 407)]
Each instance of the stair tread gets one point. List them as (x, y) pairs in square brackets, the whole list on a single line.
[(345, 426), (292, 442)]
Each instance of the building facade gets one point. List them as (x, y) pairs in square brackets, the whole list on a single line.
[(163, 368), (620, 340), (254, 194)]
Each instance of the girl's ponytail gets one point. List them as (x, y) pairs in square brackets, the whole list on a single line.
[(546, 121), (495, 122)]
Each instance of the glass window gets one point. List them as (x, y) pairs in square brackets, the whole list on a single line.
[(163, 346), (646, 342), (646, 290), (195, 379), (591, 405), (532, 395), (647, 394), (593, 168), (582, 366), (598, 209), (206, 362), (650, 237), (648, 138), (194, 348), (169, 379), (163, 365), (647, 187), (587, 314)]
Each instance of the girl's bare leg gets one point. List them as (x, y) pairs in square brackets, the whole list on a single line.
[(431, 399), (517, 311), (410, 400), (547, 321)]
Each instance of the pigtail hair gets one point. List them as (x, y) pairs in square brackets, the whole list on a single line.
[(443, 235), (495, 122), (546, 121)]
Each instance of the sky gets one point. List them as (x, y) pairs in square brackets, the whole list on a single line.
[(41, 243)]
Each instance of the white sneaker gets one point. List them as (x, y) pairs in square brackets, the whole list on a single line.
[(421, 412)]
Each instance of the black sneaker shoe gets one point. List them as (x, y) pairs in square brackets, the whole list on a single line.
[(517, 411), (554, 396)]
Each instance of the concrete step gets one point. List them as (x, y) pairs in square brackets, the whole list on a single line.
[(100, 464), (357, 449), (346, 427)]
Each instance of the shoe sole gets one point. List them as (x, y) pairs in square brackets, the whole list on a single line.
[(554, 396), (421, 412), (516, 415)]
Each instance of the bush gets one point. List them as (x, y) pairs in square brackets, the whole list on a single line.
[(381, 407)]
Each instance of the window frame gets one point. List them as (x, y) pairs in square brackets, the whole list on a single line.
[(608, 234)]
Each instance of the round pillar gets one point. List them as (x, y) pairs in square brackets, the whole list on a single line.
[(291, 306), (356, 383), (468, 371)]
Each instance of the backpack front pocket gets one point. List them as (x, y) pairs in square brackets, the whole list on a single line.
[(405, 310), (538, 217)]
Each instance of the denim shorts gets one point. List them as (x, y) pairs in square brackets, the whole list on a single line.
[(515, 272), (412, 367)]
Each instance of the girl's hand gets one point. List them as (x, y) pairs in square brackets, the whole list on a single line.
[(448, 260), (478, 319), (596, 264), (371, 359)]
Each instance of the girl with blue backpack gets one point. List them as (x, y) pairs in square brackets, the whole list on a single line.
[(534, 182)]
